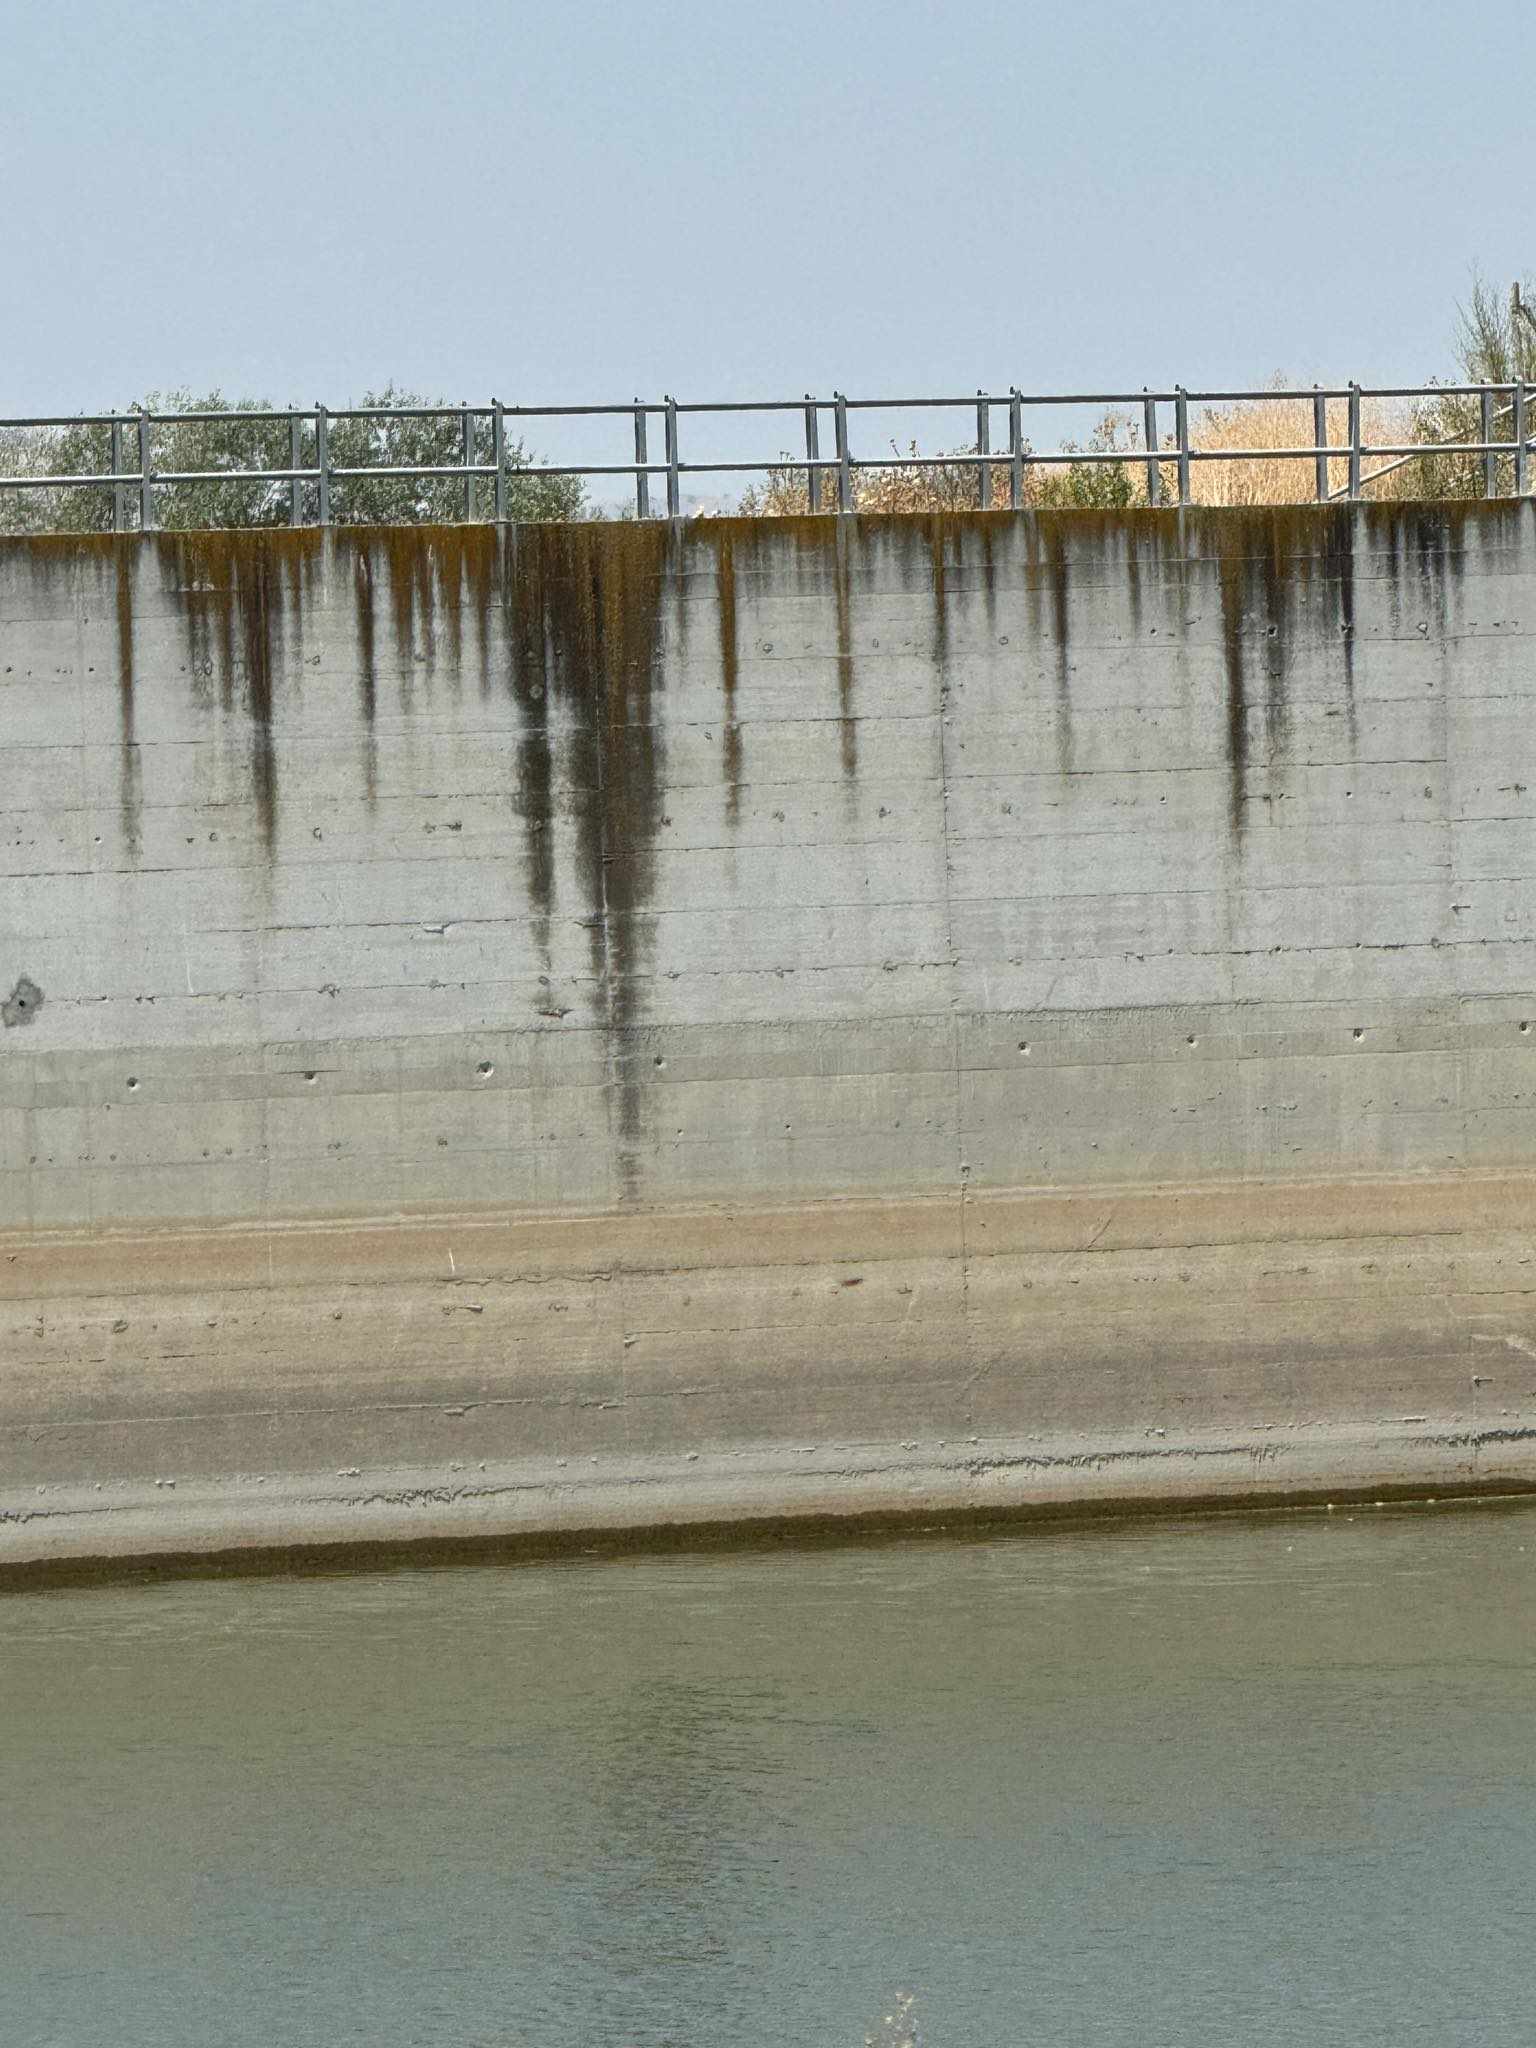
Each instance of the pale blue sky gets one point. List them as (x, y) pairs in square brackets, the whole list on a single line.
[(582, 203)]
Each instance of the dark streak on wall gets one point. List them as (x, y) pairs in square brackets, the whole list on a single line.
[(582, 610), (129, 791), (1429, 542), (1059, 572), (1229, 572), (409, 554), (529, 665), (586, 608), (232, 590), (1339, 565), (367, 667), (1424, 547), (1133, 575), (720, 533), (848, 731), (434, 574), (1277, 591), (987, 537), (818, 536), (1267, 561), (936, 542)]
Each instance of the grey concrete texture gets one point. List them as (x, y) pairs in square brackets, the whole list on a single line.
[(800, 875)]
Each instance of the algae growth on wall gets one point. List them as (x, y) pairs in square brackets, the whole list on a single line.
[(987, 949)]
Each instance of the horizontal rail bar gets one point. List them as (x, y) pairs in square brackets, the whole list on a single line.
[(62, 483), (401, 469), (255, 416), (1498, 401), (1306, 452), (89, 419)]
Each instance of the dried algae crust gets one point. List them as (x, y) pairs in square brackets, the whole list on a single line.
[(1057, 980)]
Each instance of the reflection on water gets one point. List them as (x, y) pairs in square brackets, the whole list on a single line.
[(686, 1791), (1229, 1782)]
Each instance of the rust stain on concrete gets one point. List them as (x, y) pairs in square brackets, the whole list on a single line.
[(240, 592)]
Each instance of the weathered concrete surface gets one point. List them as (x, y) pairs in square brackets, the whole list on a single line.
[(768, 1019)]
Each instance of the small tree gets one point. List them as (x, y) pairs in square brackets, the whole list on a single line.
[(233, 441), (1101, 486), (1494, 345), (434, 443)]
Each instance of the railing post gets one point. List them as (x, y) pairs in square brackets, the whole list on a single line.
[(642, 475), (1354, 439), (1149, 437), (467, 443), (674, 478), (984, 449), (1181, 431), (146, 478), (1490, 459), (119, 491), (499, 460), (295, 455), (1016, 448), (1520, 438), (844, 460), (1320, 443), (812, 454), (323, 461)]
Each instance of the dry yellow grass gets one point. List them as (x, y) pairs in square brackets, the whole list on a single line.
[(943, 487), (1285, 421), (1246, 430)]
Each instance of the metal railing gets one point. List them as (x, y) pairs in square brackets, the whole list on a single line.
[(135, 484)]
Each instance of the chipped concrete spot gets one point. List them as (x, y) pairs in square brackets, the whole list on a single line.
[(22, 1005)]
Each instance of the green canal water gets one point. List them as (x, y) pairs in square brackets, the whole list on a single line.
[(1222, 1782)]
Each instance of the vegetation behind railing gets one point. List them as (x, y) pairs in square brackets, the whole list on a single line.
[(211, 433), (184, 462)]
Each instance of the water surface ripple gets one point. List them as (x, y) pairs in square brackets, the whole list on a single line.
[(1231, 1782)]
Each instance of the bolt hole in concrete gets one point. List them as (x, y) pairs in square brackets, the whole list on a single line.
[(22, 1004), (1191, 1041), (1358, 1033), (1524, 1025), (485, 1069), (311, 1076), (133, 1082), (1023, 1045)]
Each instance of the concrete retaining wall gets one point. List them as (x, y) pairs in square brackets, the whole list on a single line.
[(615, 1025)]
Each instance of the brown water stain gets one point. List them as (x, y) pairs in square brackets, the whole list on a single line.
[(938, 532), (231, 586), (129, 781), (585, 605), (848, 729), (720, 536), (408, 558), (442, 583), (815, 537), (367, 667), (1339, 566), (1059, 573), (1277, 584), (1133, 580), (1230, 579), (530, 662), (1264, 558)]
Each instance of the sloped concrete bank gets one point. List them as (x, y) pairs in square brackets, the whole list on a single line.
[(607, 1028)]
